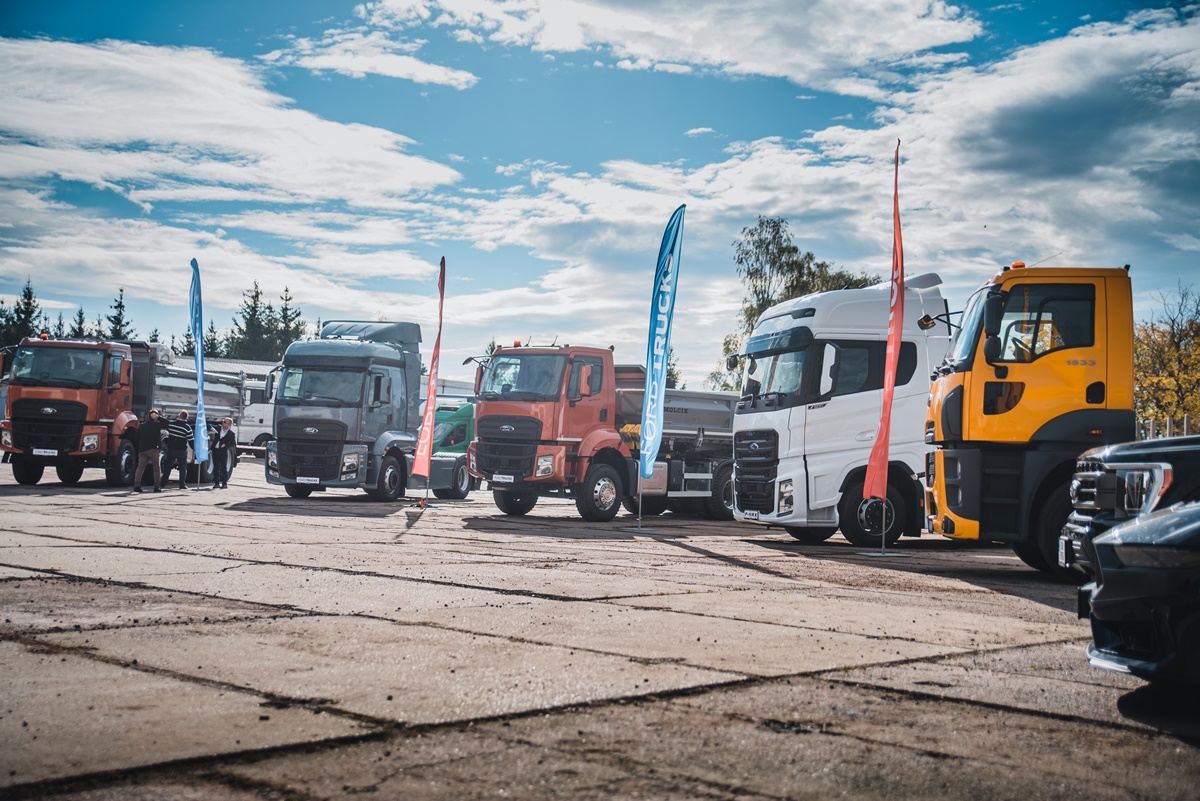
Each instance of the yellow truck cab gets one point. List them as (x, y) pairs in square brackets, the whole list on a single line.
[(1040, 370)]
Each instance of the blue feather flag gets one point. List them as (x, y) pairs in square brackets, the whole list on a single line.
[(658, 343)]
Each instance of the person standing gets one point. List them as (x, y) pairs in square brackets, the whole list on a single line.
[(223, 451), (149, 441), (179, 434)]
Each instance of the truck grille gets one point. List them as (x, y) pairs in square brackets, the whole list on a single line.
[(310, 448), (507, 445), (1086, 496), (755, 467), (930, 469), (50, 424)]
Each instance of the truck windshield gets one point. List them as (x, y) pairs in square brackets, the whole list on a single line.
[(321, 386), (532, 376), (42, 366), (778, 372), (962, 344)]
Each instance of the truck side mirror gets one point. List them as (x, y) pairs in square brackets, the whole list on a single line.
[(126, 373), (269, 388), (478, 378), (731, 362), (993, 313), (585, 381), (379, 390), (830, 362)]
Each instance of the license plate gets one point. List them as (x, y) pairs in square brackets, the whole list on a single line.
[(502, 479), (1064, 552), (45, 452), (750, 515), (307, 480)]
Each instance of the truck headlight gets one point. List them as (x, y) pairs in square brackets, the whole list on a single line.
[(545, 466), (272, 459), (786, 501), (1141, 486), (6, 438), (91, 442), (350, 463)]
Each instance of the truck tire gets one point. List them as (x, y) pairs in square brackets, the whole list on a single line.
[(720, 505), (25, 472), (69, 474), (516, 504), (462, 484), (297, 490), (121, 466), (599, 496), (262, 439), (389, 486), (852, 511), (651, 505), (810, 535), (1051, 517)]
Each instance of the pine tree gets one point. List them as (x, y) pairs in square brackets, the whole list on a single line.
[(59, 329), (24, 319), (212, 341), (253, 336), (187, 345), (79, 328), (119, 326), (289, 327)]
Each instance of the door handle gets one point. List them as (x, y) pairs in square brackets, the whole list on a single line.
[(864, 436)]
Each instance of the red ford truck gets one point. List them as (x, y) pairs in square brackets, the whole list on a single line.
[(566, 422), (73, 404)]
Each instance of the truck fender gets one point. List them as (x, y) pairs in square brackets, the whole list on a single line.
[(614, 458), (900, 477), (122, 426), (598, 440)]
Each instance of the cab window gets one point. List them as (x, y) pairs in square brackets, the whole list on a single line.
[(1041, 318)]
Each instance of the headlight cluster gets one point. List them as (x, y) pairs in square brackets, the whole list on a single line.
[(1157, 556), (6, 438), (91, 442), (1139, 487), (545, 466), (350, 463), (786, 499), (273, 460)]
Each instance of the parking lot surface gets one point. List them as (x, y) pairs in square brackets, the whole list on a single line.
[(238, 644)]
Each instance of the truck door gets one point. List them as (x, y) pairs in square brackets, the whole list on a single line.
[(1051, 361), (586, 403), (841, 424), (379, 415)]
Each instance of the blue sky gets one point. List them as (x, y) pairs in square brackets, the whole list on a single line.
[(340, 149)]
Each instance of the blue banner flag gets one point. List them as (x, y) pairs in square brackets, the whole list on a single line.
[(658, 343), (200, 434)]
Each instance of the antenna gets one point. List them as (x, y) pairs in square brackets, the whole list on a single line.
[(1048, 258)]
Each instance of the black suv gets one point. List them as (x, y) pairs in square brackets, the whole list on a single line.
[(1119, 482)]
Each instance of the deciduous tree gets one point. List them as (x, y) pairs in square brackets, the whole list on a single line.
[(1166, 376)]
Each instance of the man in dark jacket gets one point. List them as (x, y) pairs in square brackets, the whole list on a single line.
[(224, 453), (179, 434), (149, 439)]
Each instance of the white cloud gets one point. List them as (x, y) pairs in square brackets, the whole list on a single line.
[(358, 53), (815, 43)]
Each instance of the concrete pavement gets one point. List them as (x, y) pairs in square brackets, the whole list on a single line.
[(239, 644)]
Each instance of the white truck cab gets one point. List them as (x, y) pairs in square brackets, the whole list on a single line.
[(812, 397)]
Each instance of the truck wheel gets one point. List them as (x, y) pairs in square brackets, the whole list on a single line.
[(651, 505), (599, 496), (856, 514), (1048, 524), (810, 535), (26, 472), (514, 503), (297, 490), (69, 474), (462, 484), (122, 465), (390, 484), (262, 439), (720, 505)]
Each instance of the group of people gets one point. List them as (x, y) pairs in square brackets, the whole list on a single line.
[(223, 442)]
